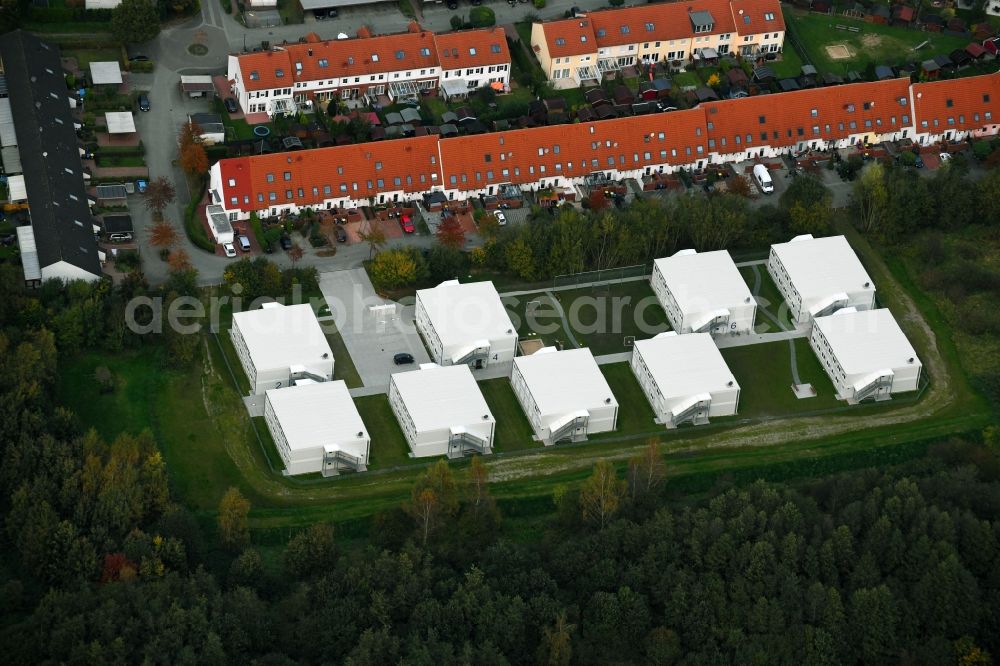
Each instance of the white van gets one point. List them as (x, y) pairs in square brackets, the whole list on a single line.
[(244, 243), (763, 178)]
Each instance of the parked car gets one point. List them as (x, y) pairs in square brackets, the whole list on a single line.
[(231, 105), (143, 102), (945, 157), (8, 239), (244, 243), (286, 242), (501, 218), (341, 234), (918, 163), (138, 58), (229, 250), (402, 358), (123, 237), (407, 224)]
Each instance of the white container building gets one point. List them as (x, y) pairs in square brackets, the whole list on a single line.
[(465, 324), (818, 276), (564, 394), (281, 343), (703, 292), (441, 411), (866, 354), (317, 428), (685, 378)]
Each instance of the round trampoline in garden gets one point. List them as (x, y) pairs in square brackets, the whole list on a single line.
[(262, 131)]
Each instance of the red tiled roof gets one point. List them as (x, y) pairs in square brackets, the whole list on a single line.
[(904, 13), (791, 120), (472, 48), (757, 12), (659, 22), (964, 101), (569, 37), (572, 151), (409, 165)]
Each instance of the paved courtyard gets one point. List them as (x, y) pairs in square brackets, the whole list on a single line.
[(373, 328)]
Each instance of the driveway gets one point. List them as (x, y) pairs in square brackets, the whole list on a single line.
[(372, 335)]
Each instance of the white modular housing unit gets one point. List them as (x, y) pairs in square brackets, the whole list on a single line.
[(703, 292), (818, 276), (564, 394), (465, 324), (317, 428), (281, 343), (685, 378), (441, 411), (866, 354)]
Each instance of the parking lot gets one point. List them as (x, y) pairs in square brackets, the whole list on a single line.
[(374, 329)]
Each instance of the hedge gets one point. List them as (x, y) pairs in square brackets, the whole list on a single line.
[(192, 225)]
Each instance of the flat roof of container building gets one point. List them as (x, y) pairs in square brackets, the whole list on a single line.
[(283, 335), (442, 397), (564, 381), (685, 365)]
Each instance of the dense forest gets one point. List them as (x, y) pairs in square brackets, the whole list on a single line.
[(100, 564)]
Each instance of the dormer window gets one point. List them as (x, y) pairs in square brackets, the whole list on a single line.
[(649, 27), (702, 21), (560, 41), (949, 103), (583, 38), (472, 50), (601, 32), (495, 48), (425, 52), (323, 62), (625, 29), (255, 75), (350, 60), (279, 73)]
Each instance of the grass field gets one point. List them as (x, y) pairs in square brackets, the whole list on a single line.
[(634, 413), (513, 432), (86, 56), (343, 365), (790, 64), (877, 44), (598, 318), (388, 447)]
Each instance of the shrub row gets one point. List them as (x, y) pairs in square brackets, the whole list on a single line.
[(192, 225)]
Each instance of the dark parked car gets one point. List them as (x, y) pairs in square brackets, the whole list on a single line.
[(144, 102), (139, 58), (402, 358), (341, 234), (286, 242), (231, 106)]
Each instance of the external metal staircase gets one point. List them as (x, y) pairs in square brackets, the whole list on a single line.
[(462, 443), (573, 429), (829, 305), (710, 321), (695, 410), (872, 384), (335, 461), (474, 356)]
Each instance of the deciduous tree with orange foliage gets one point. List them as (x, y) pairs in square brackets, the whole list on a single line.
[(163, 234)]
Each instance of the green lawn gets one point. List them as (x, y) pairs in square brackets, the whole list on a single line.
[(513, 432), (85, 56), (603, 317), (267, 444), (765, 378), (233, 361), (634, 413), (388, 447), (790, 64), (685, 79), (343, 365), (877, 44), (768, 298)]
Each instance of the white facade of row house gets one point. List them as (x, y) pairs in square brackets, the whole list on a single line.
[(400, 66)]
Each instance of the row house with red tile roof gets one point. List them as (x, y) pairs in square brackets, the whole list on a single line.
[(399, 66), (563, 156), (576, 51)]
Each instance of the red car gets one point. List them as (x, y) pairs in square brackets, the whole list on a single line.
[(406, 223)]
